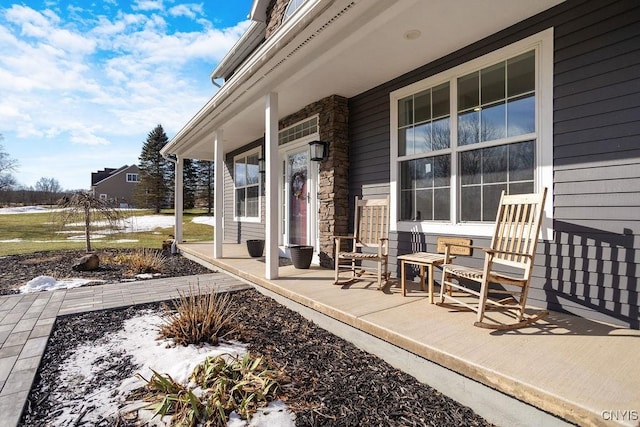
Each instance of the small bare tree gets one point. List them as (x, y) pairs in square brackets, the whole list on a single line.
[(86, 205)]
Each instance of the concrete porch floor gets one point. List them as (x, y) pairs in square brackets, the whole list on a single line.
[(561, 369)]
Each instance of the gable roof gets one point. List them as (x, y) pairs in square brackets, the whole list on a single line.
[(100, 177)]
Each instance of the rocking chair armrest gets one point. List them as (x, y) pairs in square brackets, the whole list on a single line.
[(337, 241), (383, 249), (350, 237)]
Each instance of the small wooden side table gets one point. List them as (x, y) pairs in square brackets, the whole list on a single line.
[(421, 259)]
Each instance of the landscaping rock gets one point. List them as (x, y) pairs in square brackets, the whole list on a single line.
[(89, 262)]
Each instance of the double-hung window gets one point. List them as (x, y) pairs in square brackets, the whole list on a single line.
[(247, 187), (462, 137)]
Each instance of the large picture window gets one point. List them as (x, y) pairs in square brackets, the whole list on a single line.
[(458, 142), (247, 186)]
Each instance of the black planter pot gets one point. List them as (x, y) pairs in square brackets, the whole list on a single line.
[(301, 256), (255, 247)]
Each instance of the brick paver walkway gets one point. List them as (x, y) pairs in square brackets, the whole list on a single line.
[(26, 320)]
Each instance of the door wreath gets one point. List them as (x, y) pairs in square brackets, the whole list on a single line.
[(298, 181)]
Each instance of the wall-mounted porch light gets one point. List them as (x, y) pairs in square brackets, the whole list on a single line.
[(261, 161), (319, 150)]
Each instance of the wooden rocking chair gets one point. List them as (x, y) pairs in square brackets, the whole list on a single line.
[(512, 250), (369, 244)]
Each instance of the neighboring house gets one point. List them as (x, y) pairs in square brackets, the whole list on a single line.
[(440, 105), (116, 185)]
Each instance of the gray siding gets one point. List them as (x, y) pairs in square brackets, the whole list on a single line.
[(113, 183), (590, 268), (235, 231)]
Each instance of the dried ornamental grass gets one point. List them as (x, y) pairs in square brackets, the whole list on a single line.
[(147, 261), (143, 260), (199, 318), (226, 384), (240, 384), (170, 398)]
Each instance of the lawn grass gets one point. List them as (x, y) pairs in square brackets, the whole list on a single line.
[(33, 232)]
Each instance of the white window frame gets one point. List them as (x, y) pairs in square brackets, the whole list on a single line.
[(103, 196), (252, 219), (542, 43), (292, 7), (130, 177)]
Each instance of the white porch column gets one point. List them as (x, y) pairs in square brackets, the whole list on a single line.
[(271, 185), (218, 194), (178, 198)]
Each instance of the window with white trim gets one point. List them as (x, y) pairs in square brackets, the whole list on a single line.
[(292, 7), (461, 137), (132, 177), (247, 186)]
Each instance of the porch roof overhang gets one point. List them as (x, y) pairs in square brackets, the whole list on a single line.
[(342, 47)]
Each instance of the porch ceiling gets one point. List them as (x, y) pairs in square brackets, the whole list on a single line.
[(343, 47)]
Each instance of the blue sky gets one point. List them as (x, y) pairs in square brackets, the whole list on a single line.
[(82, 83)]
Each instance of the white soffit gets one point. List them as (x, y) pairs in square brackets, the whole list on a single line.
[(362, 48)]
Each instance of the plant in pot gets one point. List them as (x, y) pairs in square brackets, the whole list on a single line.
[(301, 256), (255, 247)]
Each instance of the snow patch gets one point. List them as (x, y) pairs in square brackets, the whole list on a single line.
[(48, 283), (138, 341)]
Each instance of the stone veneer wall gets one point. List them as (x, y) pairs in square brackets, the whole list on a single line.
[(275, 13), (333, 193)]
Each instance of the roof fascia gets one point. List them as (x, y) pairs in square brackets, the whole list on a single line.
[(240, 51), (259, 11), (258, 60)]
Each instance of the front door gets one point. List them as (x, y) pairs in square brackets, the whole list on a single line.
[(297, 197), (299, 191)]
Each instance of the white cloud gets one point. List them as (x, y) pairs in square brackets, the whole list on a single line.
[(43, 26), (86, 136), (188, 10), (101, 78), (148, 5)]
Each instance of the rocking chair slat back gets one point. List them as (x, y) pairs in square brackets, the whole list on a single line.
[(371, 222), (518, 225)]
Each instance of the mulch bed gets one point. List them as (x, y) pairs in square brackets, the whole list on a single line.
[(16, 270), (333, 383)]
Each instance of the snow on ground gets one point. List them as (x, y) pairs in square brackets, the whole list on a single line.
[(205, 219), (143, 223), (48, 283), (138, 340), (26, 209), (134, 224)]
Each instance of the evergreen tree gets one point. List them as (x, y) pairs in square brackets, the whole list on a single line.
[(189, 183), (155, 187), (205, 184)]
